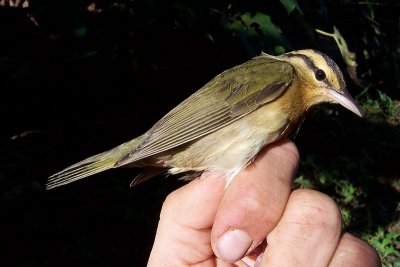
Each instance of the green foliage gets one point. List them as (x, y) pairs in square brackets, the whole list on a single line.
[(388, 246), (291, 5), (79, 32), (386, 104), (257, 26)]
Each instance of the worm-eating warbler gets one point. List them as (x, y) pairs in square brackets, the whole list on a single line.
[(223, 126)]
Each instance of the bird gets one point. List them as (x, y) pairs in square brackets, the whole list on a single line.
[(222, 126)]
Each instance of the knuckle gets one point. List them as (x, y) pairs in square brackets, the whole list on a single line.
[(353, 251), (361, 250), (316, 209)]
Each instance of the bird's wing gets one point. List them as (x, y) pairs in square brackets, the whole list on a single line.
[(226, 98)]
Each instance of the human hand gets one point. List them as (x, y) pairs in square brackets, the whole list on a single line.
[(256, 217)]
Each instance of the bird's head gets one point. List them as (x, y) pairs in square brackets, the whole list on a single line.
[(320, 78)]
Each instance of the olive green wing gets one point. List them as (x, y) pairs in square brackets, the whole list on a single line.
[(226, 98)]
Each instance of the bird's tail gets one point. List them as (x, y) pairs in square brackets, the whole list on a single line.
[(92, 165)]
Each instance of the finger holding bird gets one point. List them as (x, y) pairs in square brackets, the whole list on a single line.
[(223, 125)]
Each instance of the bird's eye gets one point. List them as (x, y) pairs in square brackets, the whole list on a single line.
[(320, 75)]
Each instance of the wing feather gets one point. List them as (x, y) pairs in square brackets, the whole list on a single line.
[(226, 98)]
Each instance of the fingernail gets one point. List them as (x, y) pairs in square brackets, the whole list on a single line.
[(233, 245), (259, 260)]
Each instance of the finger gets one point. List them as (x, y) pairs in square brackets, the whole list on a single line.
[(354, 252), (254, 201), (307, 234), (187, 215)]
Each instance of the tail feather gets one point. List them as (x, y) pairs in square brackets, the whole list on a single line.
[(91, 165), (78, 171)]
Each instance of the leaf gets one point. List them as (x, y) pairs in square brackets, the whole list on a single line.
[(262, 22), (279, 50), (79, 32), (291, 5), (254, 25), (256, 31), (348, 56)]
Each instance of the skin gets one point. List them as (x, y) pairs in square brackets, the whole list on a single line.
[(302, 227)]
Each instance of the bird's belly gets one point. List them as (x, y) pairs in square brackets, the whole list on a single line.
[(230, 148)]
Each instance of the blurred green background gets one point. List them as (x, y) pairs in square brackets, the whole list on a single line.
[(79, 77)]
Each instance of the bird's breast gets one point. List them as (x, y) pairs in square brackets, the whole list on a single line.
[(231, 148)]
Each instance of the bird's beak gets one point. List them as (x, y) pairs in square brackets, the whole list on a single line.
[(344, 99)]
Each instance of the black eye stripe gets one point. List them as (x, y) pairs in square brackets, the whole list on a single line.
[(329, 62), (310, 64)]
